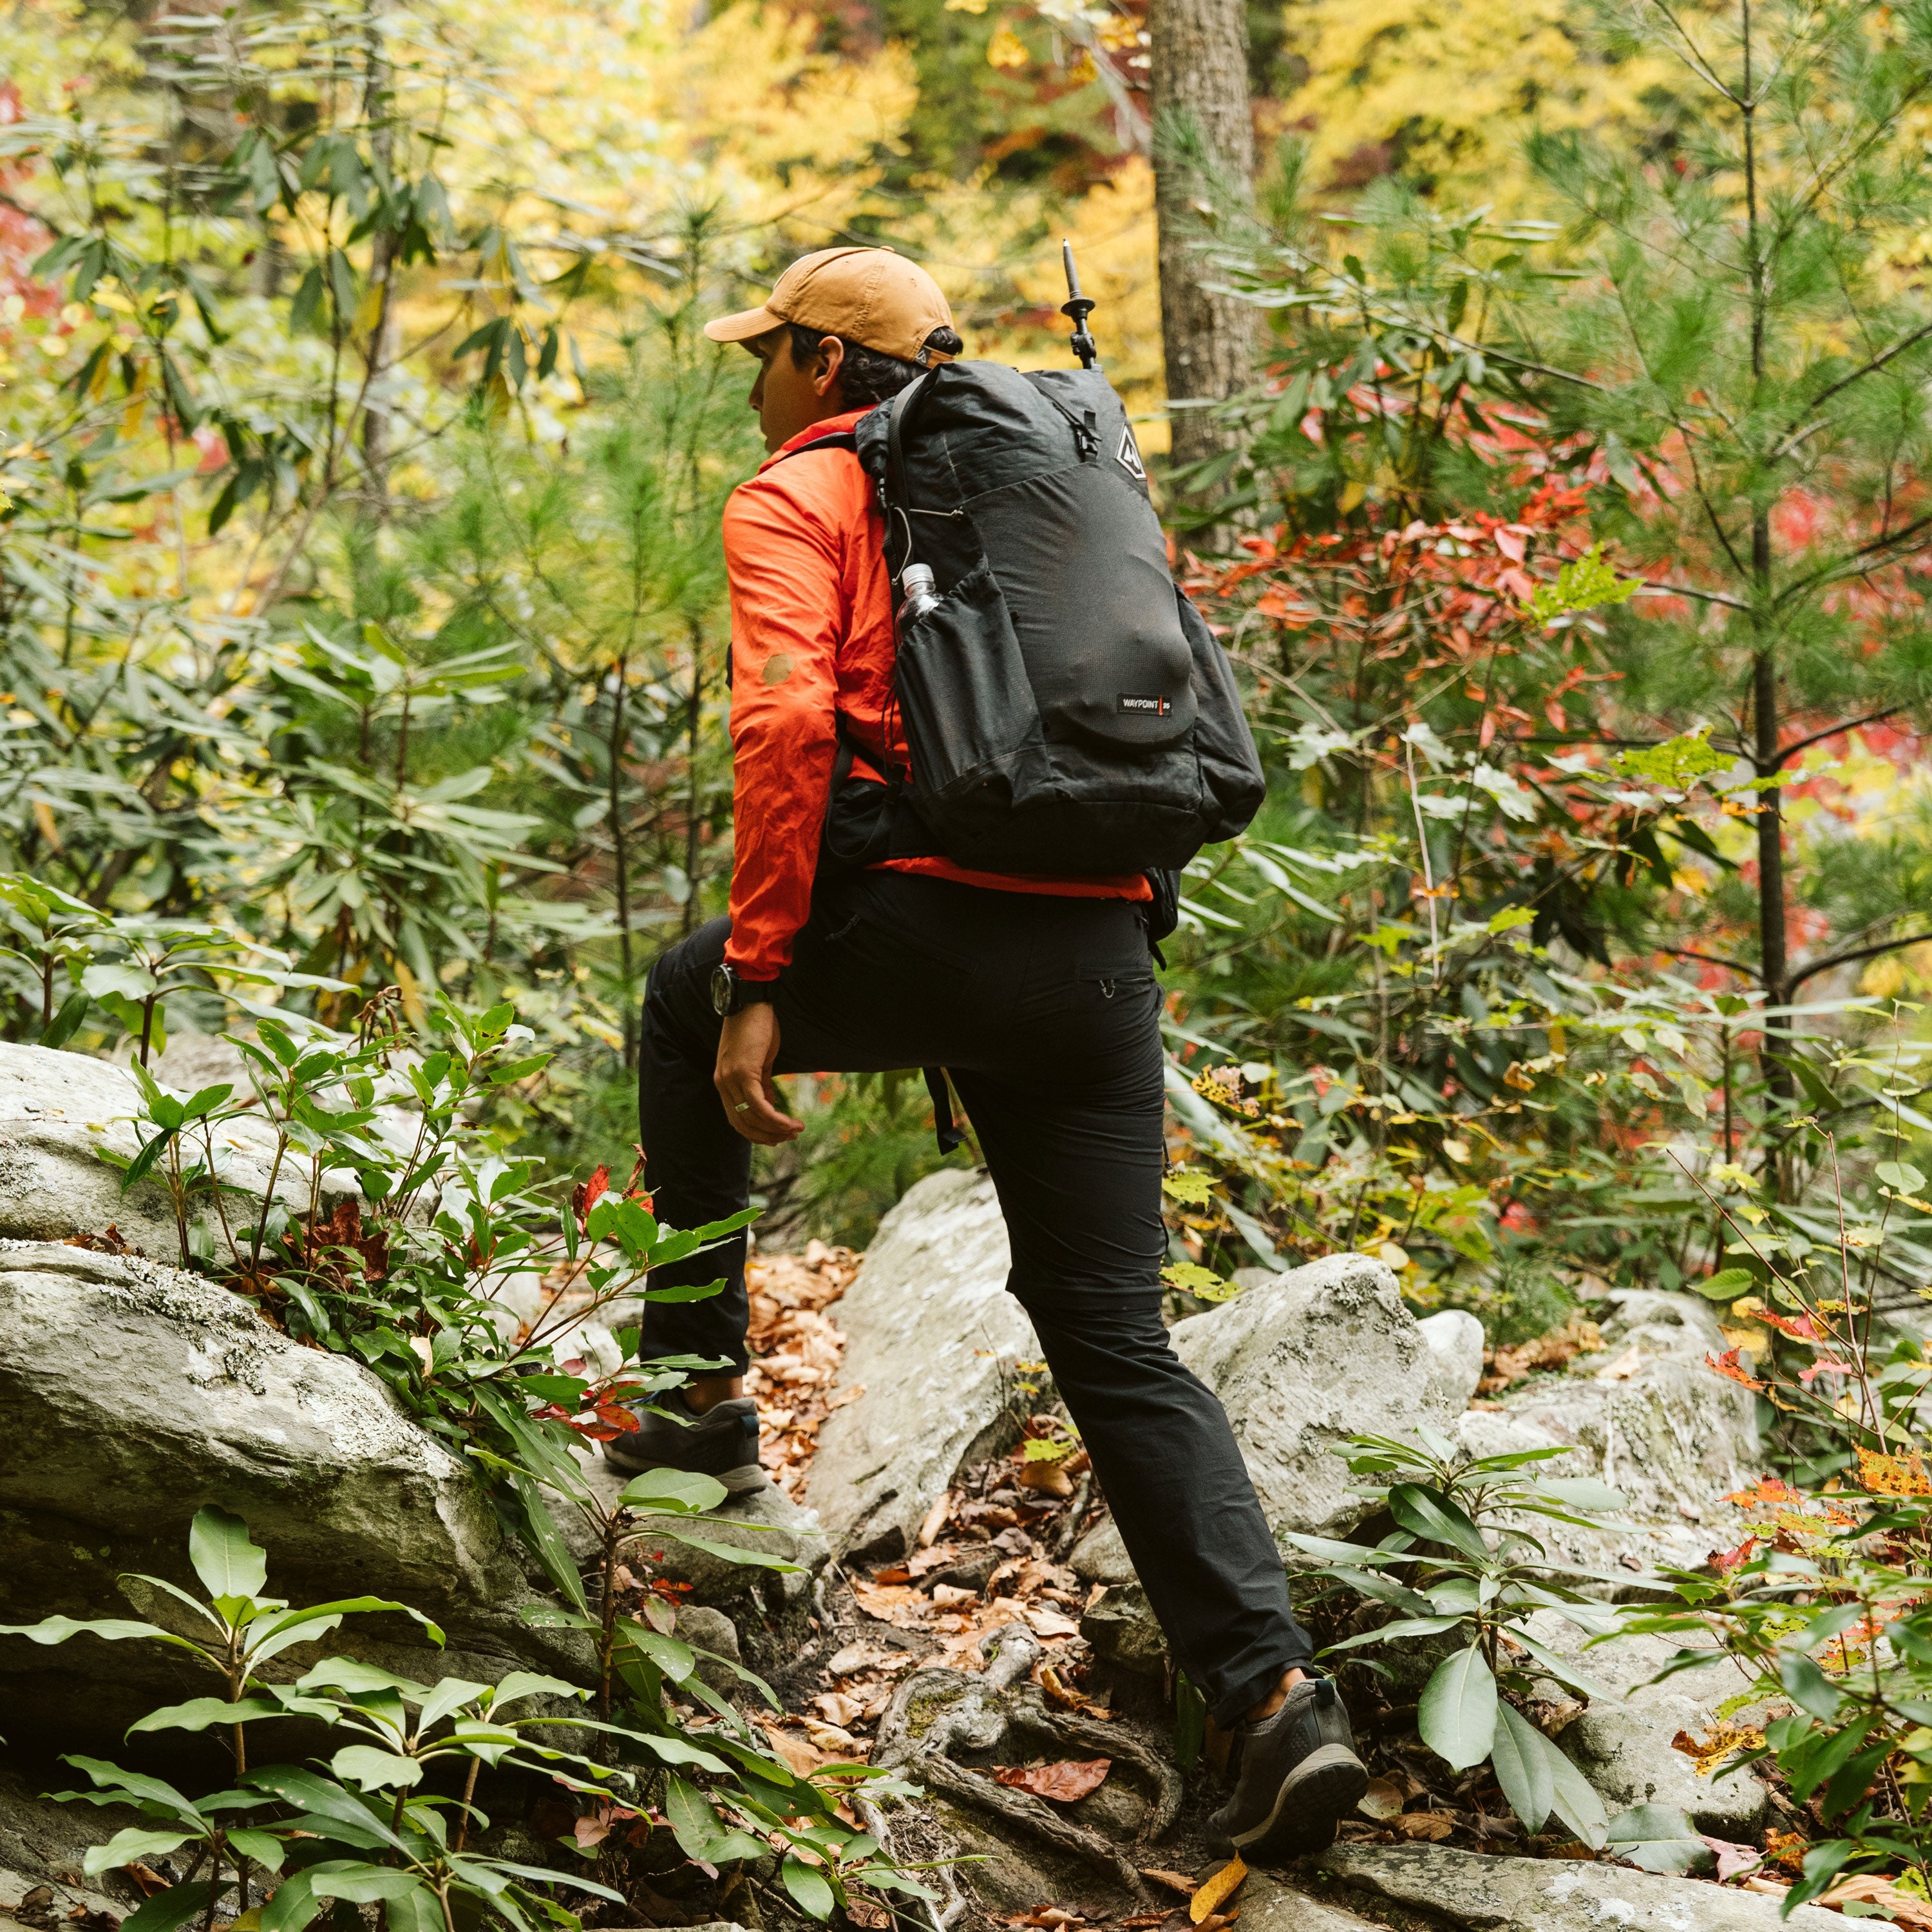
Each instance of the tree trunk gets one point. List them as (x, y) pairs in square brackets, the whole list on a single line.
[(1200, 87), (386, 337)]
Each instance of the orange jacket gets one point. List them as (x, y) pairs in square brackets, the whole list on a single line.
[(811, 638)]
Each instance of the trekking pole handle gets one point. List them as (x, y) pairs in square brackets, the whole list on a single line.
[(1079, 307)]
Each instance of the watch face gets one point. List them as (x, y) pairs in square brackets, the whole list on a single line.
[(722, 988)]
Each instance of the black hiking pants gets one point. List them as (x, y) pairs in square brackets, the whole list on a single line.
[(1046, 1013)]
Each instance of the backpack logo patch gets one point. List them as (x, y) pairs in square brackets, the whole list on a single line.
[(1128, 706), (1128, 456)]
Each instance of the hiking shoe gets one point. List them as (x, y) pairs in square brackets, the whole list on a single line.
[(1299, 1775), (723, 1442)]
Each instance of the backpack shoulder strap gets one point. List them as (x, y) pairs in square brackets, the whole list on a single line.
[(842, 439)]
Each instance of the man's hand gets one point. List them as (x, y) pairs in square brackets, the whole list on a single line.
[(746, 1048)]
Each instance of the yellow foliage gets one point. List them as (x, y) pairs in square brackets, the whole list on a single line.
[(1112, 230), (1892, 1475), (612, 117), (1006, 49), (1722, 1740), (1447, 94)]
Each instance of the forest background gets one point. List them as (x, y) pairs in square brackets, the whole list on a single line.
[(362, 625)]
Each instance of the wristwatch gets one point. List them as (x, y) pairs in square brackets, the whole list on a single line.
[(731, 993)]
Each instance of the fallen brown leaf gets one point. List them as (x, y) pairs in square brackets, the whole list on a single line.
[(1215, 1921), (1870, 1888), (1050, 1623), (1049, 1479), (1433, 1826), (1384, 1798), (1071, 1779), (833, 1739), (1174, 1881), (1215, 1891), (1576, 1337), (836, 1707), (935, 1520), (797, 1754)]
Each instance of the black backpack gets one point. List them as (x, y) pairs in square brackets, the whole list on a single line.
[(1067, 710)]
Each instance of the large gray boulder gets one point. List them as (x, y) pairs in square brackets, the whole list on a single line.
[(934, 1341), (59, 1111), (1302, 1361), (1649, 1416), (1622, 1743), (1467, 1889), (130, 1396)]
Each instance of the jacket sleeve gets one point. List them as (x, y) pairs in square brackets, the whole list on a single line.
[(788, 615)]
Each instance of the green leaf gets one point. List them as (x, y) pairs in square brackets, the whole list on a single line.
[(113, 1630), (1457, 1718), (310, 1792), (198, 1713), (1430, 1515), (731, 1552), (674, 1659), (1726, 1284), (1392, 1633), (415, 1911), (678, 1490), (1900, 1176), (359, 1882), (547, 1541), (266, 1850), (1574, 1800), (1520, 1754), (227, 1562), (138, 1785), (1808, 1688), (373, 1770), (66, 1022), (293, 1905), (304, 1626), (697, 1828), (811, 1891), (1658, 1838), (136, 1842), (1581, 1492), (167, 1910)]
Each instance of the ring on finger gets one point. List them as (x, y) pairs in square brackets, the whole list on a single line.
[(742, 1107)]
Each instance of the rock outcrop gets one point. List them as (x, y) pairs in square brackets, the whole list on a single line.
[(130, 1395), (59, 1111), (1466, 1888), (1648, 1416), (935, 1340), (1302, 1361)]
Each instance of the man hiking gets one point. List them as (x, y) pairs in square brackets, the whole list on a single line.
[(1036, 993)]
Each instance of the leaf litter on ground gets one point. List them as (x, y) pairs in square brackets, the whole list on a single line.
[(1065, 1783)]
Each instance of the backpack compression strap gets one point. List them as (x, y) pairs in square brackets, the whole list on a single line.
[(945, 1128)]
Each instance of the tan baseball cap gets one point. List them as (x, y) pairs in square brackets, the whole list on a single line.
[(868, 296)]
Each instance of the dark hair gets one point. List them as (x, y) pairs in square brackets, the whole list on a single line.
[(867, 376)]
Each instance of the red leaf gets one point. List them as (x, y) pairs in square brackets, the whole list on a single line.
[(583, 1198), (1063, 1782), (1725, 1560), (1727, 1365)]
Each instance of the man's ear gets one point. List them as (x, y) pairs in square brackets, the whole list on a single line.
[(826, 366)]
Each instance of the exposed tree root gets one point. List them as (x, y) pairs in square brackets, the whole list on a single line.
[(937, 1713)]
